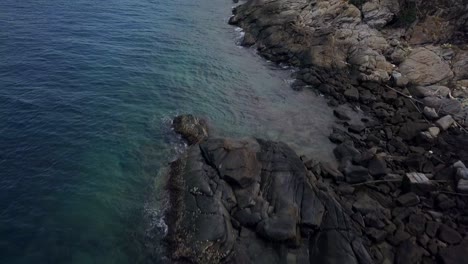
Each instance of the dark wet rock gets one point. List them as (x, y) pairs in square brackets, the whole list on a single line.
[(444, 202), (377, 235), (408, 253), (399, 236), (231, 199), (416, 224), (355, 174), (365, 205), (331, 171), (192, 129), (377, 167), (346, 151), (431, 228), (408, 199), (337, 138), (298, 85), (356, 127), (342, 113), (401, 213), (449, 235), (235, 161), (352, 94), (455, 254), (409, 130)]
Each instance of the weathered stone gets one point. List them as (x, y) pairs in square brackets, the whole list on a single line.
[(346, 151), (192, 128), (342, 113), (444, 106), (377, 167), (377, 235), (462, 186), (444, 202), (449, 235), (408, 253), (445, 122), (433, 90), (398, 79), (424, 67), (366, 205), (356, 174), (236, 161), (331, 171), (409, 130), (417, 183), (377, 14), (430, 113)]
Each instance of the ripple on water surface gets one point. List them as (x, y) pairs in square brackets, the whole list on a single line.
[(89, 88)]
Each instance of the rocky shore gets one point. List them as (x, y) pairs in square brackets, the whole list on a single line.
[(256, 201), (399, 190)]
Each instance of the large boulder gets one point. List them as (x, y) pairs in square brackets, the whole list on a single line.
[(424, 66), (378, 13), (253, 201), (326, 35)]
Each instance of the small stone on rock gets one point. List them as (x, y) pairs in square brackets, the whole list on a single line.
[(445, 122), (430, 113)]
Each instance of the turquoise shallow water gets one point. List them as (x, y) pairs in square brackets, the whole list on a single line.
[(88, 89)]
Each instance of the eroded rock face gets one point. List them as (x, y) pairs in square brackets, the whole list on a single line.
[(323, 34), (253, 201), (191, 128), (424, 66)]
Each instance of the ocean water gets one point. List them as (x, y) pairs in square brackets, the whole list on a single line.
[(87, 92)]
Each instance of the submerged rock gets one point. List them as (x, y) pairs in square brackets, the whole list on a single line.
[(191, 128)]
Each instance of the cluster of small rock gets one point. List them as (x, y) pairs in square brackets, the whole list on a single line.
[(407, 217)]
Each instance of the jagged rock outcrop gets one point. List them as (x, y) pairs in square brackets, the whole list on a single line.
[(253, 201), (424, 66), (367, 40), (191, 128), (323, 34)]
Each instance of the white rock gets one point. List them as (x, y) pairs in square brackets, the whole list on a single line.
[(434, 131)]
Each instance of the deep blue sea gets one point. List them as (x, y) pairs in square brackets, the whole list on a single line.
[(87, 92)]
